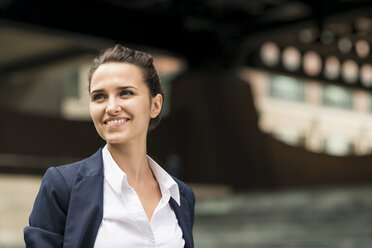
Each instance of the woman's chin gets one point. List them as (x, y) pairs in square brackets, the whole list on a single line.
[(115, 140)]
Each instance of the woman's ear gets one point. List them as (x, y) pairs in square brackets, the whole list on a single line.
[(156, 104)]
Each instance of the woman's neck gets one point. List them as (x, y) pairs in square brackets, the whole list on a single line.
[(133, 161)]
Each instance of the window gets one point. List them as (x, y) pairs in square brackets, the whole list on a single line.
[(289, 136), (287, 88), (338, 146), (339, 97)]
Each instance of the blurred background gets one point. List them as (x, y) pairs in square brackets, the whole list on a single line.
[(268, 110)]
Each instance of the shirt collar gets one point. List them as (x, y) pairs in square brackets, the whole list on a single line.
[(116, 177), (165, 181), (113, 174)]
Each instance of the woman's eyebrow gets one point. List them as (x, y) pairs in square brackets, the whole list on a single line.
[(97, 91), (126, 87)]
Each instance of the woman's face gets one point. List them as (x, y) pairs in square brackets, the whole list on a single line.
[(120, 103)]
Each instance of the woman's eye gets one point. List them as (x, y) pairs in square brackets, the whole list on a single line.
[(97, 97), (126, 93)]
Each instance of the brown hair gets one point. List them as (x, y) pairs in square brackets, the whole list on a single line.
[(144, 61)]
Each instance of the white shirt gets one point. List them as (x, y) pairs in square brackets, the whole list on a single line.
[(124, 223)]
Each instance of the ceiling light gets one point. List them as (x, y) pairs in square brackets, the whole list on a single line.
[(344, 45), (307, 35), (332, 68), (312, 63), (270, 53), (362, 48), (291, 58), (349, 71), (366, 75)]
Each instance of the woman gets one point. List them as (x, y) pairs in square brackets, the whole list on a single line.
[(118, 197)]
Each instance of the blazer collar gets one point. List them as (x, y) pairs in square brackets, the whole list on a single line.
[(184, 218), (92, 166)]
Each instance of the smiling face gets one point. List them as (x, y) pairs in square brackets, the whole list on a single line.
[(120, 103)]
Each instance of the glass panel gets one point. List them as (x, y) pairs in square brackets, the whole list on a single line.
[(71, 85), (337, 146), (289, 136), (335, 96), (287, 88)]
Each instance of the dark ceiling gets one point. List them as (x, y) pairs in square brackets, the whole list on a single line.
[(202, 31)]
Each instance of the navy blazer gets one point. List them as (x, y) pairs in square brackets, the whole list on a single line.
[(68, 209)]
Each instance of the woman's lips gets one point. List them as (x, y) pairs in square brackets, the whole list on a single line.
[(116, 122)]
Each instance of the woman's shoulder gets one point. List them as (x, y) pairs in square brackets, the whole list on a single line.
[(181, 184), (61, 176), (66, 172), (185, 189), (70, 170)]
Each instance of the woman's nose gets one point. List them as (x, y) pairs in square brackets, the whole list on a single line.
[(112, 107)]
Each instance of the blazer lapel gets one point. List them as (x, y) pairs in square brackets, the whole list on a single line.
[(184, 219), (86, 204)]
